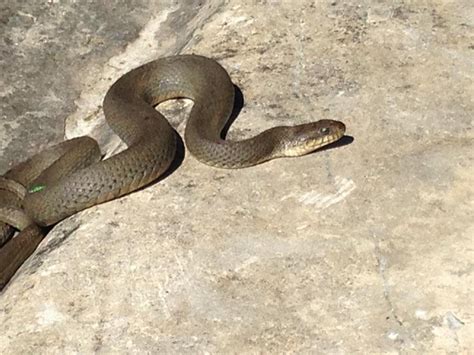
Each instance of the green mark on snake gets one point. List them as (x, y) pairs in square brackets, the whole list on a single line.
[(36, 188)]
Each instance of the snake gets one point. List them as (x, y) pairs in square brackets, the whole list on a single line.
[(71, 176)]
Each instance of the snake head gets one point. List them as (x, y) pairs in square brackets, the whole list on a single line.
[(306, 138)]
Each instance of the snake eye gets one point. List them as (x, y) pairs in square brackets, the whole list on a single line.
[(324, 130)]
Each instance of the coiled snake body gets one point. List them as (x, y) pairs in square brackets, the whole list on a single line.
[(70, 177)]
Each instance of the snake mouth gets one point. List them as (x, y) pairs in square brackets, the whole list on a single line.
[(322, 142), (330, 139)]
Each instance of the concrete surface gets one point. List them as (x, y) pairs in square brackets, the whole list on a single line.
[(365, 248)]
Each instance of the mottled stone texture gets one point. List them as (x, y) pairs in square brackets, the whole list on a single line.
[(365, 248)]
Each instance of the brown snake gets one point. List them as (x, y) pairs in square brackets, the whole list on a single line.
[(70, 176)]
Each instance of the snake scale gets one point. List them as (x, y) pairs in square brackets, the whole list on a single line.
[(71, 176)]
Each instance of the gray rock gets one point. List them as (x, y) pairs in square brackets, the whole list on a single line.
[(359, 249)]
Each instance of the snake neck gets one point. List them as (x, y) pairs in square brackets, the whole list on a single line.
[(212, 150)]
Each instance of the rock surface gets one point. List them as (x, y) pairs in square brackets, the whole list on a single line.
[(365, 248)]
